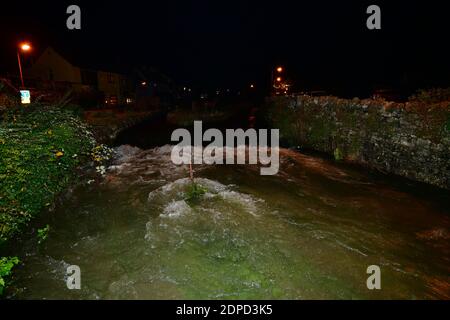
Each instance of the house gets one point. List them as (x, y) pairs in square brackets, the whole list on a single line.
[(54, 71)]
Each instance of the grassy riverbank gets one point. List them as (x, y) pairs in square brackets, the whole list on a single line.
[(40, 148)]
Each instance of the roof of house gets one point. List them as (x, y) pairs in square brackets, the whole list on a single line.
[(86, 59), (93, 60)]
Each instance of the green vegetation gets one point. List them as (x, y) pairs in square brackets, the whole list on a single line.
[(40, 147), (194, 193), (101, 153), (338, 156), (6, 266), (42, 234)]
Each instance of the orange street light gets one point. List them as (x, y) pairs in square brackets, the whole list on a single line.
[(25, 47), (279, 79), (280, 69)]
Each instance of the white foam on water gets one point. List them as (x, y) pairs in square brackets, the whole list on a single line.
[(175, 191), (129, 163), (58, 268), (248, 202), (124, 153), (176, 209), (168, 191), (176, 215)]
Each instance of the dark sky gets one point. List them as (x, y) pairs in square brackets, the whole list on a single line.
[(218, 44)]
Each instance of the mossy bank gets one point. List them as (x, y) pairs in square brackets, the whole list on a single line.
[(41, 148), (408, 139)]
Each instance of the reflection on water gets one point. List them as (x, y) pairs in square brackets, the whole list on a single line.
[(308, 233)]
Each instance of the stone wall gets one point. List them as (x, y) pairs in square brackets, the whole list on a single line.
[(107, 127), (407, 139)]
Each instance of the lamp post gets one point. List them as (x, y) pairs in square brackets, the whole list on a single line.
[(25, 47), (275, 76)]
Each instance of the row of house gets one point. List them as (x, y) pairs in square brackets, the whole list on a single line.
[(54, 71), (51, 70)]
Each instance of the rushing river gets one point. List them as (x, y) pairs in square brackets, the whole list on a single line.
[(309, 232)]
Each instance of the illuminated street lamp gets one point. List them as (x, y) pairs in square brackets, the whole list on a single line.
[(252, 86), (24, 47), (279, 79), (280, 69)]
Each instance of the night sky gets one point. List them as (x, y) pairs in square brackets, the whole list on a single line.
[(229, 44)]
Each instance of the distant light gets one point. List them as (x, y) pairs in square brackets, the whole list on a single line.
[(252, 86), (143, 83), (25, 47), (184, 88), (279, 79), (280, 69), (129, 100)]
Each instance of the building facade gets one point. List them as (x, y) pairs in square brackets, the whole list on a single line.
[(53, 70)]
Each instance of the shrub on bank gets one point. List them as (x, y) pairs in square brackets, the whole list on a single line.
[(6, 266), (40, 147)]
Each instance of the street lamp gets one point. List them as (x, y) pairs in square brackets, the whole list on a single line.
[(24, 47), (280, 69)]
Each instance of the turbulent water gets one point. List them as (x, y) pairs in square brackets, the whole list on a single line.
[(309, 232)]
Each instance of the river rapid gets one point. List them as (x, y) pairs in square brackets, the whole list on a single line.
[(309, 232)]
